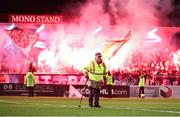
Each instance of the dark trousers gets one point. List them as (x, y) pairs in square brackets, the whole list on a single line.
[(109, 89), (31, 91), (141, 91), (94, 96)]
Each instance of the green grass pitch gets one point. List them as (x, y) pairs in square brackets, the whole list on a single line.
[(58, 106)]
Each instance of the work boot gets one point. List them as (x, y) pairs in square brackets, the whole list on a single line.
[(97, 106), (90, 105)]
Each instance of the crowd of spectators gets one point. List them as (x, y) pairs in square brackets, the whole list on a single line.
[(157, 63)]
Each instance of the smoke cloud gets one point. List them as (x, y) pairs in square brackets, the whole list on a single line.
[(72, 45)]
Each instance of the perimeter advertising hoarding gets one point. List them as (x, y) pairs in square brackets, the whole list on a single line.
[(76, 90), (76, 79), (39, 90), (58, 79), (165, 91), (150, 91), (60, 90)]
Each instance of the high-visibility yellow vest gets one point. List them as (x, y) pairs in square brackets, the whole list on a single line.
[(96, 72), (109, 79), (141, 81), (29, 80)]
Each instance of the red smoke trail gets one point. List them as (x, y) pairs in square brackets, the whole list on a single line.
[(72, 45)]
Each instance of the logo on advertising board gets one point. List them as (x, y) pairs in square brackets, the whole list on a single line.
[(165, 91), (40, 89), (117, 91), (149, 92)]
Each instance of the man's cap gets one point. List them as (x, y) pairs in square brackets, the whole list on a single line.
[(98, 54)]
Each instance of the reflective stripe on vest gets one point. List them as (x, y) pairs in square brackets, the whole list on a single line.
[(109, 80), (94, 72), (93, 75), (141, 81)]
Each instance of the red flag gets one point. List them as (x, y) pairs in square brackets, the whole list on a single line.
[(23, 38)]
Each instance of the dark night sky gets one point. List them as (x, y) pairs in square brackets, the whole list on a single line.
[(42, 6), (67, 8), (37, 6)]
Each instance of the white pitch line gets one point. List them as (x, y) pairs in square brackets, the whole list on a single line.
[(8, 101), (145, 109), (124, 108), (73, 106), (58, 105)]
